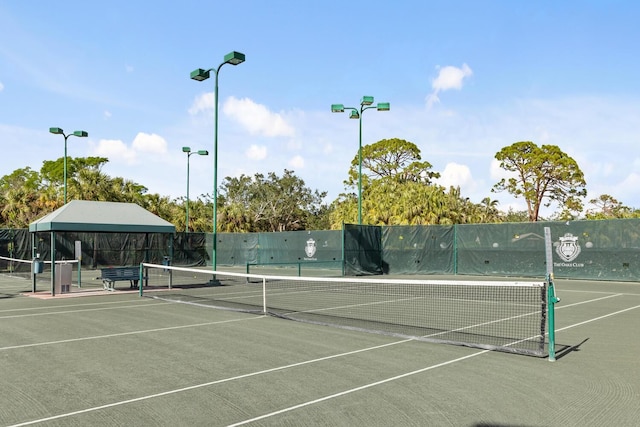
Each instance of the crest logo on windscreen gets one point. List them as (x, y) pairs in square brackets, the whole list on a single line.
[(568, 249), (310, 248)]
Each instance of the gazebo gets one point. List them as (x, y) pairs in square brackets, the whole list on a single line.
[(97, 217)]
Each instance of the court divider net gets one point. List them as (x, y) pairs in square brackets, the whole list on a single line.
[(23, 268), (494, 315)]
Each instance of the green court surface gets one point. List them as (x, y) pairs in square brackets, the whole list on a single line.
[(115, 359)]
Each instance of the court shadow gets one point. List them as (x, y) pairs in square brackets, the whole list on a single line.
[(569, 349), (498, 425), (6, 296)]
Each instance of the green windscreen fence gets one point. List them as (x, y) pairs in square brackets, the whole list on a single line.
[(99, 250), (418, 249), (236, 248), (15, 243), (307, 247), (595, 250), (363, 250), (598, 250), (513, 249), (308, 252)]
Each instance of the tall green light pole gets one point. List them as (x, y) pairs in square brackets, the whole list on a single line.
[(233, 58), (189, 153), (79, 134), (365, 104)]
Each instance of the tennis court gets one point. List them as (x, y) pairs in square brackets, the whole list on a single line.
[(118, 359)]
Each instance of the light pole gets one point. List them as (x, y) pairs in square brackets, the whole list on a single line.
[(189, 153), (79, 134), (365, 104), (233, 58)]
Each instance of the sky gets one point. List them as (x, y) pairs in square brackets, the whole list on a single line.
[(464, 79)]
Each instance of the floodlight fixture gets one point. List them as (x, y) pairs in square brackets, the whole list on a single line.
[(234, 58), (367, 100), (200, 74)]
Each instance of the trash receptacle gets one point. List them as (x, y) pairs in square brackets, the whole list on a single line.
[(37, 266), (62, 282)]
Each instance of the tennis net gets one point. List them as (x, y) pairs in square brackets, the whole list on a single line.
[(15, 267), (494, 315)]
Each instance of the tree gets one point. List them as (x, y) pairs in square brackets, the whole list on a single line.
[(395, 158), (607, 207), (515, 216), (541, 173), (269, 203), (19, 198), (398, 190)]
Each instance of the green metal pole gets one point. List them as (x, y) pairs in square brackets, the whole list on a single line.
[(233, 58), (53, 263), (342, 244), (140, 277), (33, 256), (455, 249), (186, 224), (552, 300), (215, 175), (360, 169), (65, 167)]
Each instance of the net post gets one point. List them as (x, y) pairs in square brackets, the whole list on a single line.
[(551, 295), (79, 273), (552, 300), (264, 295), (140, 277)]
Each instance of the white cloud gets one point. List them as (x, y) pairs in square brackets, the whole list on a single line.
[(149, 143), (456, 175), (449, 77), (496, 172), (293, 144), (115, 150), (624, 191), (297, 162), (107, 115), (256, 152), (202, 103), (1, 87), (257, 118), (328, 148)]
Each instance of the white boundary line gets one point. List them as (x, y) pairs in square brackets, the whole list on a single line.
[(197, 386), (53, 313), (353, 390), (345, 392), (49, 307), (599, 318), (280, 368), (122, 334)]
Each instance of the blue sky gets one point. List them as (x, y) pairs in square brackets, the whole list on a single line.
[(463, 78)]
